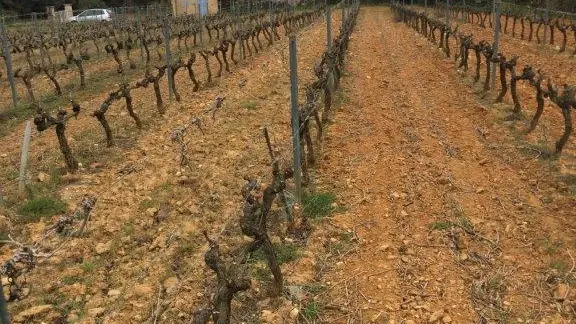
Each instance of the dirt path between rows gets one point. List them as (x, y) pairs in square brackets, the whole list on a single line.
[(454, 223)]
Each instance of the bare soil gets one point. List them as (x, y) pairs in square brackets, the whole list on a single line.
[(455, 223), (444, 211)]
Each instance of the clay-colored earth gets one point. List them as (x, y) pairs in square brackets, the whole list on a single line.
[(444, 211)]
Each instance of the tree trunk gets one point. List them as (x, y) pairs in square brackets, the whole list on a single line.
[(193, 78), (80, 66), (540, 108), (29, 89), (564, 40), (488, 73), (52, 76), (567, 113), (503, 82), (158, 94), (130, 108), (513, 90), (65, 148), (207, 66), (478, 53), (107, 130)]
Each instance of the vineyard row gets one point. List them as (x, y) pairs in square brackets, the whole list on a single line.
[(439, 33)]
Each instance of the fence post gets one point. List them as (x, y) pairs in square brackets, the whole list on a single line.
[(8, 61), (295, 118), (24, 156), (328, 28), (447, 12), (168, 57), (4, 317), (496, 45)]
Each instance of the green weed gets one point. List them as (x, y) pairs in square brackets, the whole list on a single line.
[(70, 280), (311, 311), (88, 266), (560, 265), (441, 225), (40, 207), (284, 253), (314, 288), (318, 205), (250, 105)]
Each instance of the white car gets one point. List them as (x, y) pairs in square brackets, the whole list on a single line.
[(92, 15)]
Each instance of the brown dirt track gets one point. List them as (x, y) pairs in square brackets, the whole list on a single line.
[(413, 150)]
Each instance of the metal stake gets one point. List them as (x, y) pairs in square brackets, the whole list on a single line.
[(24, 156), (168, 58), (295, 118), (496, 45)]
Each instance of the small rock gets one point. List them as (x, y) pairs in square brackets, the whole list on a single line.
[(151, 211), (463, 256), (43, 177), (32, 312), (480, 190), (446, 319), (114, 293), (102, 248), (561, 292), (72, 318), (143, 290), (267, 316), (294, 313), (436, 316), (383, 247), (96, 312), (483, 161), (170, 284)]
